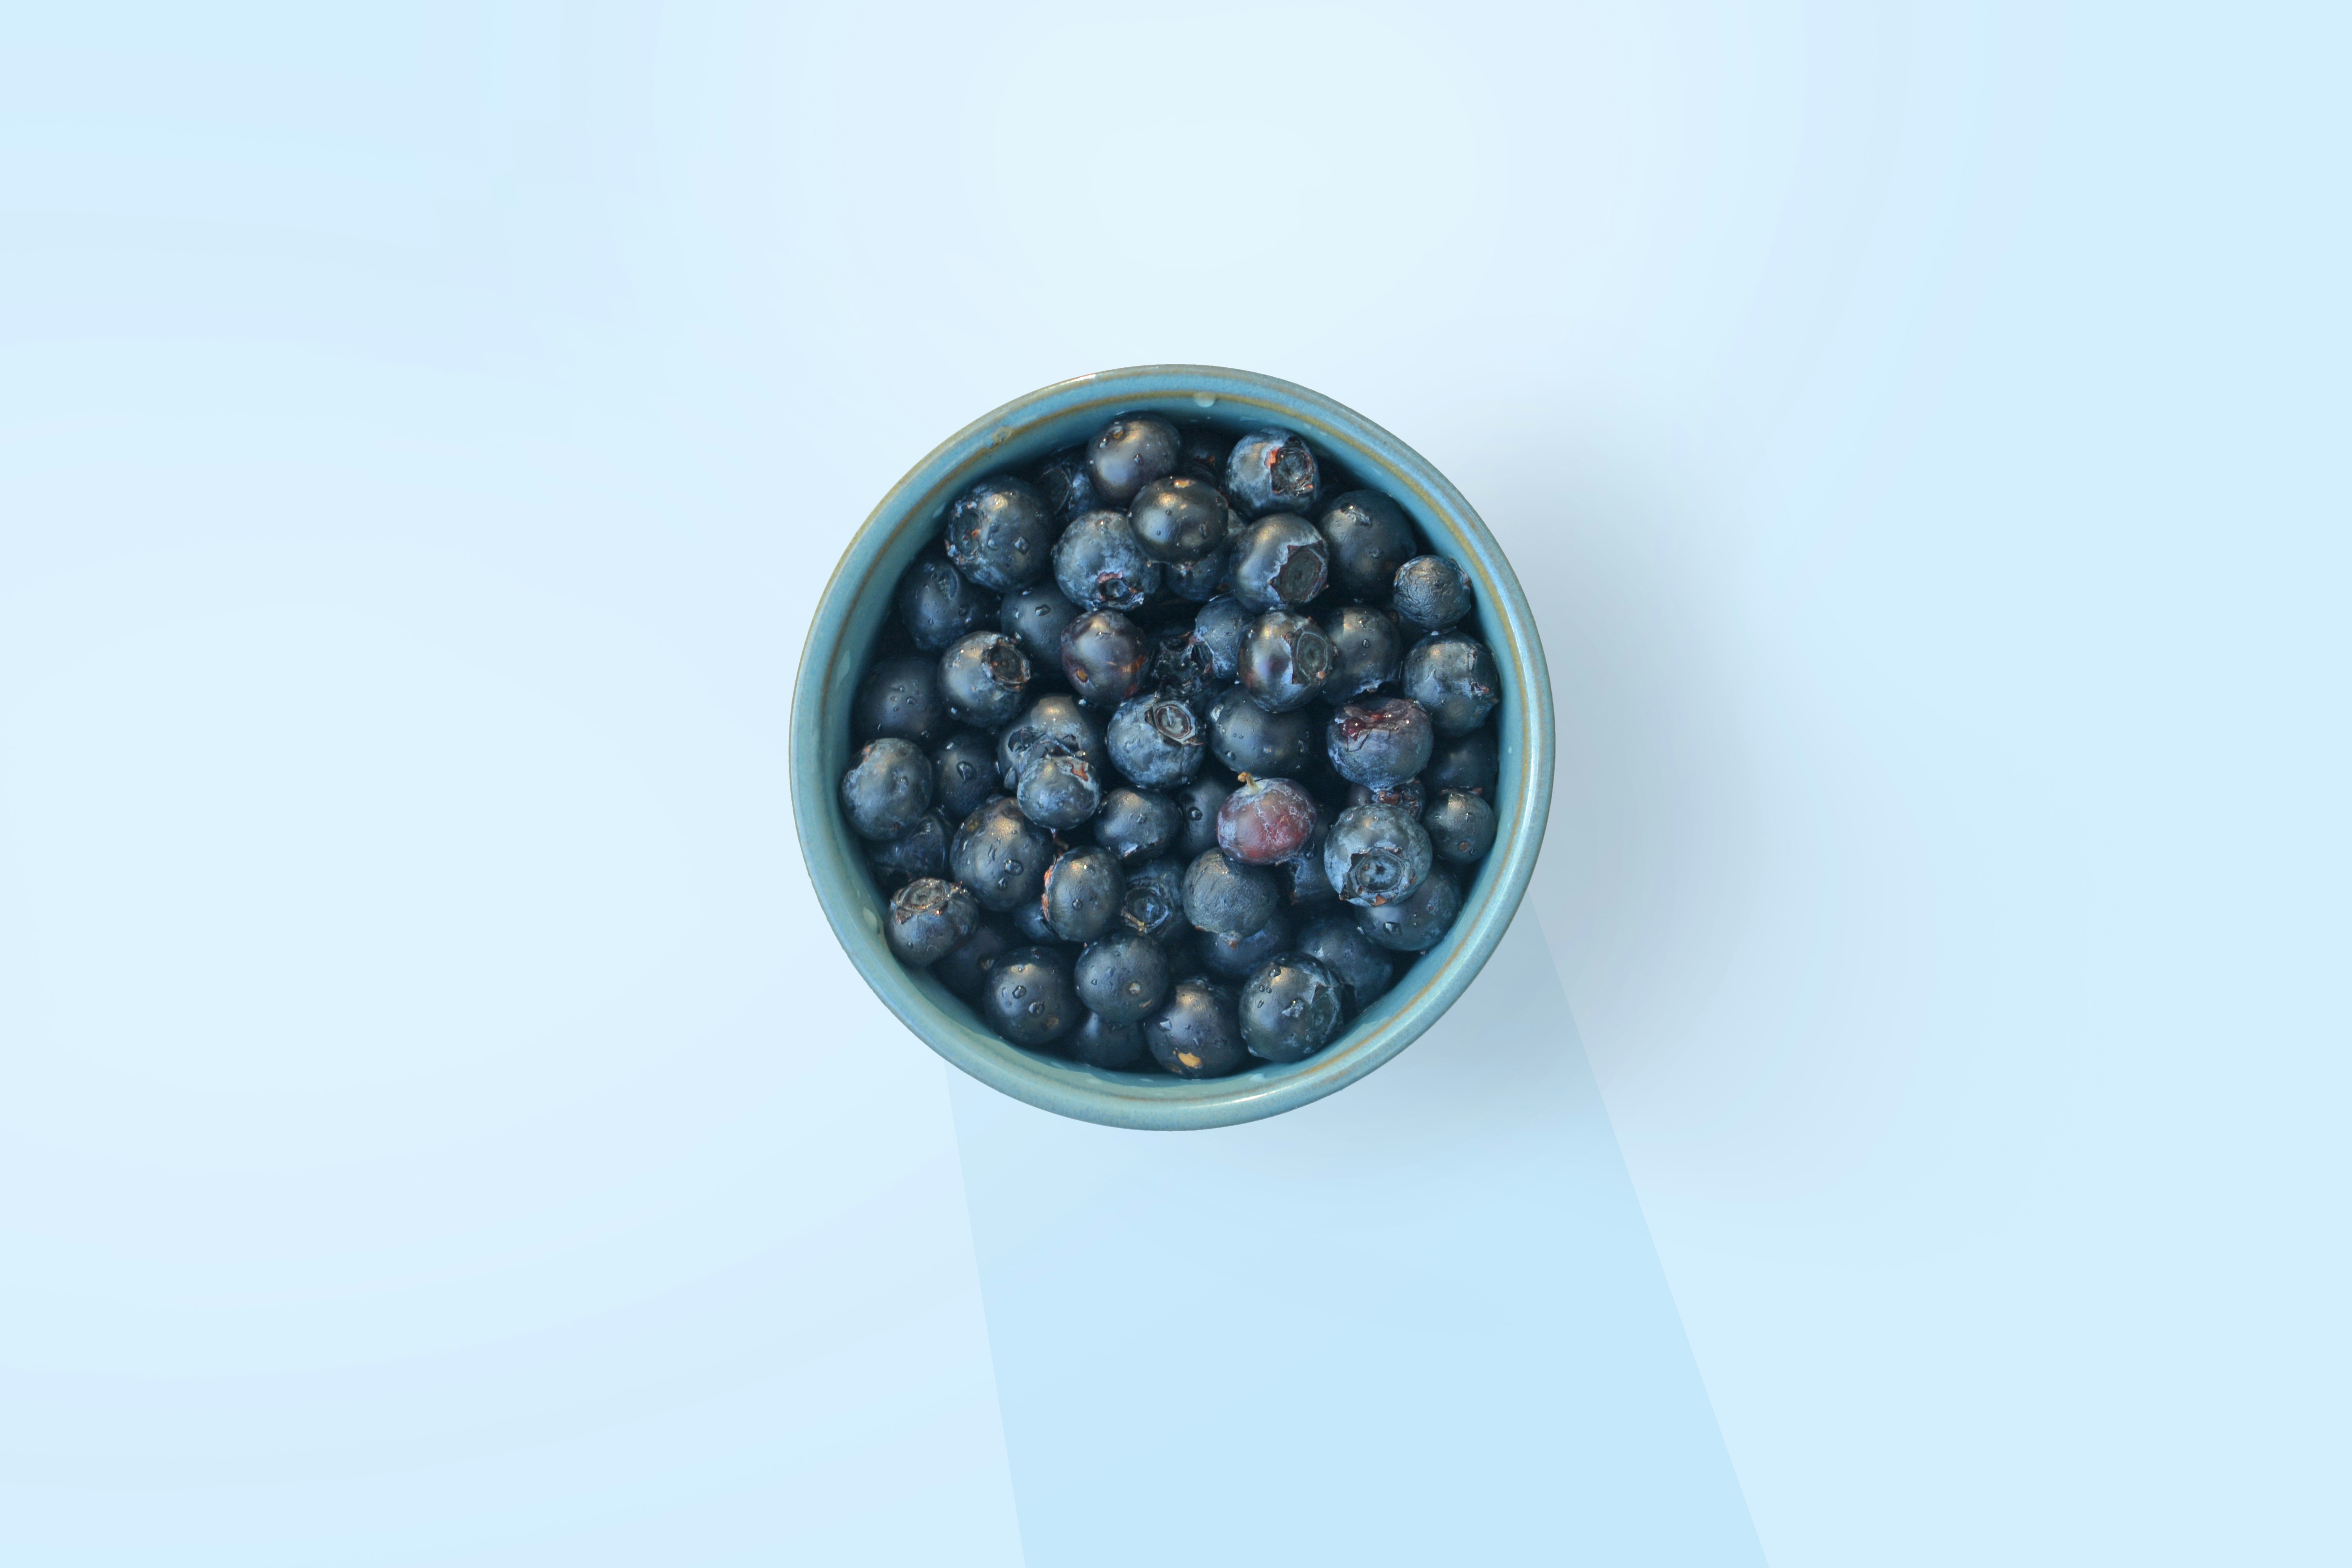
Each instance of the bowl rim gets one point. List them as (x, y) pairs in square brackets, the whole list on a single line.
[(1132, 1100)]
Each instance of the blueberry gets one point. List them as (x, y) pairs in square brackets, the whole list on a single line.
[(1408, 797), (1286, 659), (1455, 677), (921, 851), (1222, 625), (965, 773), (999, 534), (1370, 538), (1154, 904), (1057, 787), (1123, 977), (1365, 648), (1036, 615), (1100, 566), (1132, 451), (1418, 921), (965, 969), (1460, 825), (1278, 559), (1302, 876), (1380, 744), (1194, 581), (1099, 1043), (929, 919), (1138, 825), (1289, 1010), (1197, 1033), (1471, 763), (1376, 855), (1204, 453), (1029, 924), (1430, 593), (886, 789), (938, 604), (1066, 484), (1156, 740), (1053, 717), (1364, 970), (1227, 898), (1266, 821), (1084, 889), (1271, 470), (1249, 740), (1233, 957), (982, 678), (1179, 664), (901, 697), (1199, 804), (1103, 655), (1000, 855), (1027, 997), (1179, 519)]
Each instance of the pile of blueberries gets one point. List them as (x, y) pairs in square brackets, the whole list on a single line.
[(1157, 768)]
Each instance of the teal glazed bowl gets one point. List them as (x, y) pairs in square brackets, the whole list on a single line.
[(858, 598)]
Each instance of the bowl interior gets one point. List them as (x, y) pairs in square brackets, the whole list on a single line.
[(1355, 453)]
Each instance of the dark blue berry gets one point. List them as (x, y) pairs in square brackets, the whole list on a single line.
[(1455, 677), (1271, 470), (901, 697), (938, 604), (1124, 977), (1084, 889), (983, 677), (1278, 560), (1000, 855), (1430, 593), (1199, 804), (1194, 581), (965, 769), (1178, 519), (965, 969), (929, 918), (1418, 921), (1029, 924), (1370, 538), (1233, 957), (1286, 659), (1375, 855), (1266, 821), (1364, 969), (1289, 1010), (1052, 718), (1379, 743), (1365, 650), (1471, 762), (1066, 484), (1131, 452), (999, 534), (1197, 1033), (1303, 880), (1103, 655), (1461, 826), (1179, 664), (921, 851), (1097, 1042), (1156, 740), (1057, 787), (1100, 566), (1221, 626), (1154, 901), (1037, 615), (1027, 997), (1228, 897), (1249, 740), (886, 789), (1138, 825)]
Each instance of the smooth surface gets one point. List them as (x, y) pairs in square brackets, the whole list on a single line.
[(422, 438), (857, 601)]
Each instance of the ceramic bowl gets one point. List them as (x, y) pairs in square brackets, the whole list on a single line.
[(857, 600)]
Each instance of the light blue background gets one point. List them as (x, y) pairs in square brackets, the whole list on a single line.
[(1904, 1125)]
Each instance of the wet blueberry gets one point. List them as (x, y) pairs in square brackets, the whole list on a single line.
[(1053, 717), (1103, 655), (1199, 804), (886, 789), (1289, 1010), (1266, 821), (1179, 664), (1066, 484), (1114, 1047), (938, 604), (1455, 677), (1375, 855), (1249, 740), (1099, 564), (929, 918), (1227, 898), (1370, 538), (1471, 762), (1194, 581), (921, 851), (983, 676), (1233, 957), (1365, 650), (1430, 593), (1461, 826), (1364, 969), (1278, 561), (1286, 659), (999, 534), (964, 768), (1154, 902), (1156, 740), (1037, 615), (1302, 876), (965, 969), (1000, 855), (1418, 921), (1138, 825), (1271, 470), (1178, 519), (1381, 743), (901, 697), (1197, 1033), (1124, 977), (1131, 452), (1058, 787), (1084, 889), (1222, 625), (1027, 997)]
